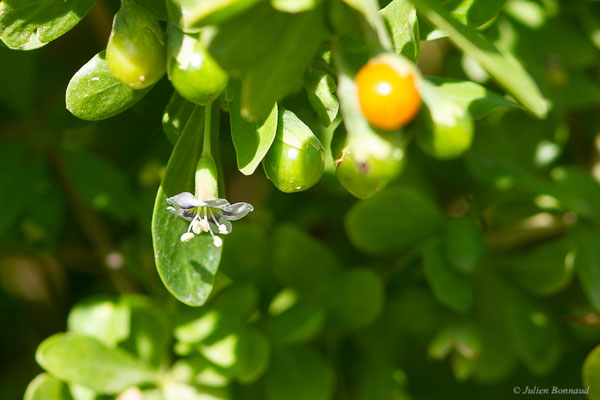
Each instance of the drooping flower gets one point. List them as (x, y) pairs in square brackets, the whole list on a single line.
[(212, 216)]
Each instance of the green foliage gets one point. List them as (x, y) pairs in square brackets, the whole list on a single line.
[(187, 270), (470, 264), (94, 93)]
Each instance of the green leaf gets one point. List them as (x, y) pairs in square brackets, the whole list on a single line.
[(100, 184), (591, 374), (297, 324), (198, 370), (299, 373), (83, 360), (157, 8), (320, 88), (576, 190), (150, 334), (294, 6), (450, 287), (251, 140), (400, 17), (176, 115), (94, 94), (186, 269), (503, 67), (276, 75), (300, 260), (463, 245), (544, 269), (479, 100), (106, 318), (238, 300), (393, 221), (587, 263), (45, 387), (181, 391), (465, 343), (534, 332), (243, 352), (191, 15), (39, 21), (354, 298), (475, 13)]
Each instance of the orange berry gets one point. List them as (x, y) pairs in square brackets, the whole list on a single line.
[(387, 99)]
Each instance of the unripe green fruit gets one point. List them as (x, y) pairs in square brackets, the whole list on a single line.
[(193, 72), (445, 127), (136, 52), (296, 159), (367, 175), (446, 141)]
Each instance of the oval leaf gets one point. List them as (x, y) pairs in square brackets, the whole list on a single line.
[(45, 387), (393, 221), (83, 360), (251, 140), (94, 94), (187, 269), (24, 21)]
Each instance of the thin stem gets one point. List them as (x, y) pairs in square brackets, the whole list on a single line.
[(207, 123)]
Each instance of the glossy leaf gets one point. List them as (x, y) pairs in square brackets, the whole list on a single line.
[(294, 6), (393, 221), (320, 88), (400, 17), (94, 93), (251, 140), (31, 21), (271, 78), (479, 100), (46, 387), (191, 16), (186, 269), (299, 373), (503, 67), (83, 360), (475, 13)]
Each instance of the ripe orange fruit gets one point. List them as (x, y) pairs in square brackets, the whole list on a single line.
[(388, 100)]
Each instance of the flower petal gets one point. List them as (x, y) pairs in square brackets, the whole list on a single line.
[(216, 203), (237, 211), (182, 212), (185, 200)]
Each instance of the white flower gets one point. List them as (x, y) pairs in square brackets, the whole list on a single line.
[(212, 216)]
